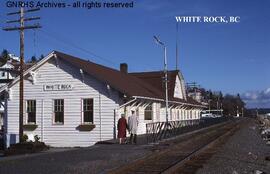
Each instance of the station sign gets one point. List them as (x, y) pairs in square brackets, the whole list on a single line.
[(58, 87)]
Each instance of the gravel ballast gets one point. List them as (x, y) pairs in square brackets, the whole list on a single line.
[(244, 152)]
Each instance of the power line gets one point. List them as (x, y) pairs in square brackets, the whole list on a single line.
[(73, 45), (77, 47), (21, 28)]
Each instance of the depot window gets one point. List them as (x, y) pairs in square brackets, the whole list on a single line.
[(87, 111), (148, 112), (59, 111), (31, 111)]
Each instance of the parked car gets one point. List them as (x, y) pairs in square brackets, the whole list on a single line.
[(208, 115)]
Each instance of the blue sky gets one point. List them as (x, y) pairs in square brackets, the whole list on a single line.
[(232, 58)]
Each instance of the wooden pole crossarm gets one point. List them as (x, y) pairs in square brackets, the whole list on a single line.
[(22, 28), (26, 11), (26, 19)]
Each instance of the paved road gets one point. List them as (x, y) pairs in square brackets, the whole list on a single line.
[(96, 159), (244, 152)]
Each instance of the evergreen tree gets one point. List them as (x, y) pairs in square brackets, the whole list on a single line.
[(4, 57), (33, 59), (230, 103), (41, 57)]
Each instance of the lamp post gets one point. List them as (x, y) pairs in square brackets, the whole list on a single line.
[(221, 109), (209, 106), (166, 74)]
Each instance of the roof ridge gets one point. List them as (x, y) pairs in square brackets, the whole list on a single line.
[(149, 72), (86, 60), (101, 68)]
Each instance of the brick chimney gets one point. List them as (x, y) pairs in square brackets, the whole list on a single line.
[(124, 68)]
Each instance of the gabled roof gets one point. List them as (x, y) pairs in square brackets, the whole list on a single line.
[(156, 79), (122, 82), (147, 84)]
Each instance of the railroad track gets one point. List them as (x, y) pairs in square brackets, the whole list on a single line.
[(185, 156)]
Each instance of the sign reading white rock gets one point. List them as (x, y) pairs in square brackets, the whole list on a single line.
[(58, 87)]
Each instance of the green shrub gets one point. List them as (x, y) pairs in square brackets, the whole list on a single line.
[(36, 138), (24, 138)]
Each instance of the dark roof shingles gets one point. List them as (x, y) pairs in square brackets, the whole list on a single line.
[(145, 84), (156, 80), (122, 82)]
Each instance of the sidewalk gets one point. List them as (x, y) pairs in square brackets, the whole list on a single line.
[(141, 140)]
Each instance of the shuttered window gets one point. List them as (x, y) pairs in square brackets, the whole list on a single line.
[(31, 111), (59, 111), (87, 110)]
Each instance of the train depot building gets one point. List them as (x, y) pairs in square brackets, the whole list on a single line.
[(71, 102)]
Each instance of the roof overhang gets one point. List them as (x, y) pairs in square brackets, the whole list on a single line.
[(170, 101)]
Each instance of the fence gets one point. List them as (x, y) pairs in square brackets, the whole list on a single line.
[(162, 130)]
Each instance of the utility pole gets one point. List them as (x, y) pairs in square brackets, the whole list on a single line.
[(237, 112), (176, 48), (209, 106), (218, 102), (21, 29), (221, 109)]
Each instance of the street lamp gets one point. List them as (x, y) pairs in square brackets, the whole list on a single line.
[(166, 74), (209, 105), (221, 109)]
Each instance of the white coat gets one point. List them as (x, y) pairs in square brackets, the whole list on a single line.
[(133, 124)]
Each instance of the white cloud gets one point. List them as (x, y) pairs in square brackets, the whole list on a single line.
[(257, 99), (267, 91)]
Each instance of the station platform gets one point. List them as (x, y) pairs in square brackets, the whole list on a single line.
[(105, 156)]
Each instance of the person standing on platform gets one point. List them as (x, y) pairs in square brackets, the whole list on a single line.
[(122, 127), (133, 127)]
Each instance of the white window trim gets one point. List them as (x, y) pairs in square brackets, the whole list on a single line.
[(26, 113), (152, 115), (82, 113), (53, 112)]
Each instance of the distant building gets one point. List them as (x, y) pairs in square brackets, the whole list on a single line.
[(9, 70), (195, 93)]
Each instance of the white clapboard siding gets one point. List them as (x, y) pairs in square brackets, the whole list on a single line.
[(105, 101), (142, 122)]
